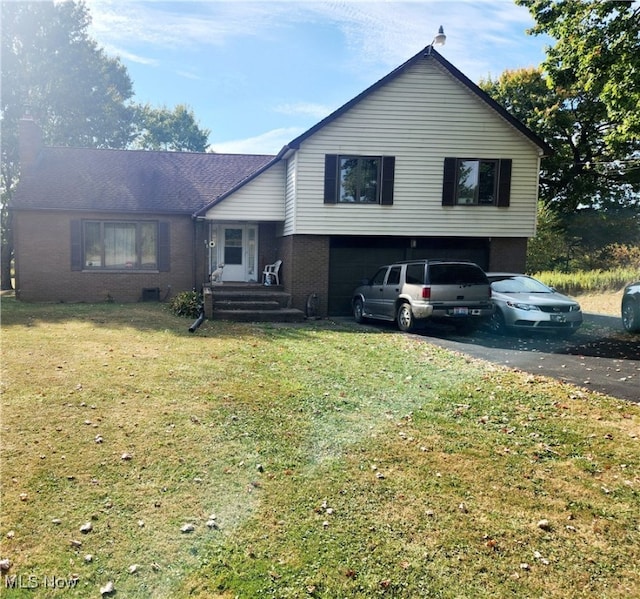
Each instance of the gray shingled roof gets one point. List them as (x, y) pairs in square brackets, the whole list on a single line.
[(131, 180)]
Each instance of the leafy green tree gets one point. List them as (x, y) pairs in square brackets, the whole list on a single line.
[(597, 53), (164, 129), (584, 101), (584, 171), (548, 249), (593, 200), (55, 72)]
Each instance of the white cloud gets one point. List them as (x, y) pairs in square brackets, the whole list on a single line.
[(165, 24), (270, 142), (130, 56), (205, 40), (189, 75), (316, 111), (378, 34)]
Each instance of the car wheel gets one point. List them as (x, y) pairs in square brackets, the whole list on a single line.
[(358, 311), (497, 324), (404, 318), (630, 317)]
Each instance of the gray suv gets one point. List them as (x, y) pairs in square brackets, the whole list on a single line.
[(420, 290)]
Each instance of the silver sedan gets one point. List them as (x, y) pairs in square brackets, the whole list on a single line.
[(524, 303)]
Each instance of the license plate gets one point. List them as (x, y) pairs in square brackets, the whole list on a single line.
[(461, 311), (558, 318)]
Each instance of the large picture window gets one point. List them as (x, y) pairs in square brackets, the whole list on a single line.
[(120, 245), (358, 179), (476, 182)]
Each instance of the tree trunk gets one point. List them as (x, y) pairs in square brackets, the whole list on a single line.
[(6, 251)]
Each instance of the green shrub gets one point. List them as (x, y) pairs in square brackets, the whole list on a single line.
[(549, 248), (624, 255), (186, 303), (586, 240)]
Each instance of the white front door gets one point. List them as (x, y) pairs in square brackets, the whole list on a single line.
[(237, 248)]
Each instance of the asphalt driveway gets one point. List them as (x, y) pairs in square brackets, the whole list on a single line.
[(600, 356)]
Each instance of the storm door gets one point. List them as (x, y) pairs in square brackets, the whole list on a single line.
[(237, 249)]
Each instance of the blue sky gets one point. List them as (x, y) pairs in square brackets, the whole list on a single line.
[(258, 74)]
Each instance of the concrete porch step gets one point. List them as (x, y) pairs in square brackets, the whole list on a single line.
[(246, 302), (280, 315), (251, 295)]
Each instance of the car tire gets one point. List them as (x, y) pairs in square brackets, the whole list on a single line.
[(497, 324), (358, 311), (404, 318), (630, 316)]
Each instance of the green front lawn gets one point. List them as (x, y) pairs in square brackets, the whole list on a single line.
[(316, 460)]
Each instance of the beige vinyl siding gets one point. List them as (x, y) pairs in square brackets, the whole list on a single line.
[(290, 194), (421, 117), (262, 199)]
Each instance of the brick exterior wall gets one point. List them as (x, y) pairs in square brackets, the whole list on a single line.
[(305, 269), (268, 248), (43, 268), (508, 254)]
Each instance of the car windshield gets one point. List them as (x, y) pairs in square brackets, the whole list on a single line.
[(518, 285)]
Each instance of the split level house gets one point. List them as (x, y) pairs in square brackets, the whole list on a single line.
[(422, 164)]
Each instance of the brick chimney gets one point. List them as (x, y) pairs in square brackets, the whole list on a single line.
[(30, 141)]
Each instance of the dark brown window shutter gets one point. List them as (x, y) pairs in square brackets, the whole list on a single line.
[(76, 245), (388, 174), (449, 182), (330, 178), (504, 183), (164, 260)]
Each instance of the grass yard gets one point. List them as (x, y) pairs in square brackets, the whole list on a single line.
[(323, 460), (601, 303)]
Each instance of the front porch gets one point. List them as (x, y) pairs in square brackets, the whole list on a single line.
[(249, 302)]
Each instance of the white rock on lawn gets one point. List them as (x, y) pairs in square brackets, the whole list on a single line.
[(86, 527), (107, 589)]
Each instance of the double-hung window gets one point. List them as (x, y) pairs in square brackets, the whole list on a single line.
[(359, 179), (476, 182), (351, 179), (119, 245)]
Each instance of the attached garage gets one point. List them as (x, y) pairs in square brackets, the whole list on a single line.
[(352, 259)]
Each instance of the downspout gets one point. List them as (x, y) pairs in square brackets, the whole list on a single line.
[(194, 262), (197, 221)]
